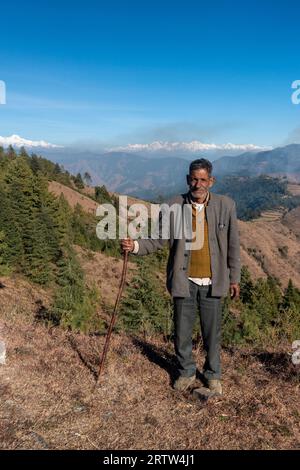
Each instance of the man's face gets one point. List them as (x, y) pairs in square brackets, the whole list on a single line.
[(199, 182)]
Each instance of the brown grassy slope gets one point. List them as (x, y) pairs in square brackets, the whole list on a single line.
[(270, 247), (292, 220), (73, 197), (105, 272), (294, 189), (84, 200), (47, 400)]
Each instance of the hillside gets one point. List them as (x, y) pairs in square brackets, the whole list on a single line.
[(292, 220), (47, 382), (133, 174), (106, 272), (281, 161), (47, 399), (270, 247), (148, 177), (73, 197), (85, 197), (269, 244)]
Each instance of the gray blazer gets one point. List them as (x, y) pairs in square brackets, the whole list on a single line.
[(223, 243)]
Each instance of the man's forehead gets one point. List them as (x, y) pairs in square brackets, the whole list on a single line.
[(199, 172)]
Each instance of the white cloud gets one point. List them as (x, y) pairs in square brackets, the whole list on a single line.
[(17, 141), (193, 146)]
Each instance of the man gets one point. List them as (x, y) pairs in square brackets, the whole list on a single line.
[(200, 276)]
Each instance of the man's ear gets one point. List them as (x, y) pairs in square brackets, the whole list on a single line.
[(188, 179), (212, 181)]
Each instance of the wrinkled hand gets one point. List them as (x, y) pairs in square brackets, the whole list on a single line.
[(127, 244), (234, 291)]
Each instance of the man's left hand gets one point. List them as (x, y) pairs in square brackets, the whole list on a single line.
[(234, 291)]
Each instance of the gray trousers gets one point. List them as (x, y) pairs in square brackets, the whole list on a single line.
[(185, 309)]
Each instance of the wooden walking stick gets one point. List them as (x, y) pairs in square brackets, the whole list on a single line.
[(114, 316)]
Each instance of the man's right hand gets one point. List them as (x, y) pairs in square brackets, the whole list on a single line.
[(127, 244)]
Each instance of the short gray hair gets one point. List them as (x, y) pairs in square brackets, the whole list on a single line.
[(201, 164)]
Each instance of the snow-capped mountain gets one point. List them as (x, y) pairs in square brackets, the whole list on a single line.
[(191, 147), (17, 141)]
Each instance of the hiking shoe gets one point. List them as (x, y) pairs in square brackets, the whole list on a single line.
[(183, 383), (215, 385)]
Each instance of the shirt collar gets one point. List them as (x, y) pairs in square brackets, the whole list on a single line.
[(194, 204)]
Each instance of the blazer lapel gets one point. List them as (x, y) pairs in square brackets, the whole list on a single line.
[(210, 213)]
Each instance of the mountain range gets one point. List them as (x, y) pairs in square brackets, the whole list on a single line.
[(281, 161), (148, 178), (159, 170)]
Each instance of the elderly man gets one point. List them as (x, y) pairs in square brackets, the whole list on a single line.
[(200, 276)]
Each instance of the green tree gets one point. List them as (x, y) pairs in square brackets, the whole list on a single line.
[(24, 194), (246, 286), (291, 296), (75, 305), (87, 178), (146, 308), (14, 253), (11, 154), (102, 195), (4, 268), (78, 181)]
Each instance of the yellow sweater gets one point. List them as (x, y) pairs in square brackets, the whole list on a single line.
[(199, 265)]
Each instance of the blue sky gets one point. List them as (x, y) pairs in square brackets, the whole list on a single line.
[(119, 72)]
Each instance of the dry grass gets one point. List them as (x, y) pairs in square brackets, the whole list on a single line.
[(73, 197), (47, 399), (105, 272), (294, 189), (292, 221), (85, 201), (261, 248)]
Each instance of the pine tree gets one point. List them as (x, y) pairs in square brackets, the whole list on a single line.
[(4, 268), (87, 178), (23, 153), (266, 301), (57, 169), (291, 296), (145, 309), (14, 253), (35, 163), (75, 305), (78, 181), (102, 195), (62, 217), (24, 196), (246, 286), (10, 153)]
